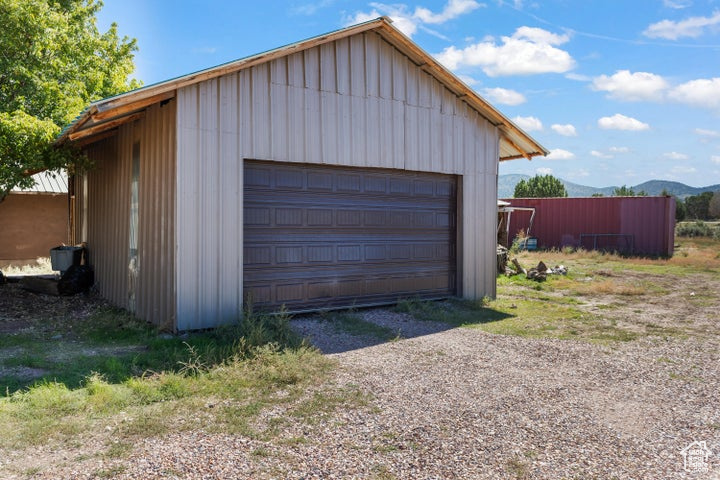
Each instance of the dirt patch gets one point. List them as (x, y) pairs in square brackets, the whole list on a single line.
[(687, 304)]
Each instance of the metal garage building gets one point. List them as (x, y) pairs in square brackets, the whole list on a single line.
[(347, 169)]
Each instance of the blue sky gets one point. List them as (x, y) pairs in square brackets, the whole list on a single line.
[(620, 91)]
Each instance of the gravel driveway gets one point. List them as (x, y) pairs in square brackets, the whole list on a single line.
[(460, 403)]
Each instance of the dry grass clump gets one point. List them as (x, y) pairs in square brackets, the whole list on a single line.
[(610, 287), (42, 266)]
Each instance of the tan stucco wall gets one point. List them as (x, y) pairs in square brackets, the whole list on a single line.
[(31, 224)]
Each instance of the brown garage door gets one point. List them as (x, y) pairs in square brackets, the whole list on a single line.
[(319, 236)]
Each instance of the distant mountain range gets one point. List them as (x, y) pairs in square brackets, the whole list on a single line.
[(506, 187)]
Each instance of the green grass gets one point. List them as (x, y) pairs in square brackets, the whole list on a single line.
[(120, 379)]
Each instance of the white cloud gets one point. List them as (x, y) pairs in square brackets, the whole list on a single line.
[(560, 154), (528, 51), (677, 4), (544, 171), (598, 154), (675, 156), (707, 133), (469, 80), (578, 77), (529, 124), (682, 169), (631, 87), (691, 27), (453, 9), (715, 159), (621, 122), (700, 93), (619, 149), (582, 173), (564, 130), (503, 96), (409, 22), (402, 19)]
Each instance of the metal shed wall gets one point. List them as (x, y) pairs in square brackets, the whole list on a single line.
[(102, 213), (355, 102), (559, 222)]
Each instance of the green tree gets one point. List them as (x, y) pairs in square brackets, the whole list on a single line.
[(540, 186), (714, 206), (53, 62), (626, 191), (680, 210), (698, 206)]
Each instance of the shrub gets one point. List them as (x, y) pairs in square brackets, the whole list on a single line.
[(696, 229)]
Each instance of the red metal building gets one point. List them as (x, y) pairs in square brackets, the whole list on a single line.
[(634, 225)]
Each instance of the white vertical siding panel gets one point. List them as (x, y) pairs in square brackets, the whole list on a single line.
[(385, 70), (209, 176), (412, 150), (436, 140), (397, 141), (314, 126), (386, 139), (296, 70), (372, 74), (230, 199), (328, 126), (296, 124), (279, 71), (357, 66), (328, 70), (375, 148), (358, 124), (447, 137), (261, 111), (342, 66), (279, 131), (312, 68), (469, 243), (245, 112), (187, 201), (343, 137), (412, 83), (425, 152), (399, 76)]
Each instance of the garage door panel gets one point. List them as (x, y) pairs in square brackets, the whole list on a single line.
[(318, 236)]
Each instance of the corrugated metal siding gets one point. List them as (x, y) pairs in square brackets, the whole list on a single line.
[(103, 203), (102, 212), (354, 102), (48, 182), (560, 222)]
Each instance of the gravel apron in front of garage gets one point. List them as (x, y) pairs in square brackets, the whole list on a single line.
[(461, 403)]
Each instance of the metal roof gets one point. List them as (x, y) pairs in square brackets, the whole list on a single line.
[(100, 118), (47, 182)]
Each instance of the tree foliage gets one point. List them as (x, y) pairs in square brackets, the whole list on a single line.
[(698, 206), (53, 62), (680, 210), (540, 186), (626, 191), (714, 206)]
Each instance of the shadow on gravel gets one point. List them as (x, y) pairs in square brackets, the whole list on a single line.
[(344, 330)]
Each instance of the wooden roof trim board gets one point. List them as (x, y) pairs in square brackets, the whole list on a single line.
[(102, 127), (519, 141)]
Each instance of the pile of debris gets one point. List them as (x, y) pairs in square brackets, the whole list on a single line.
[(538, 273)]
